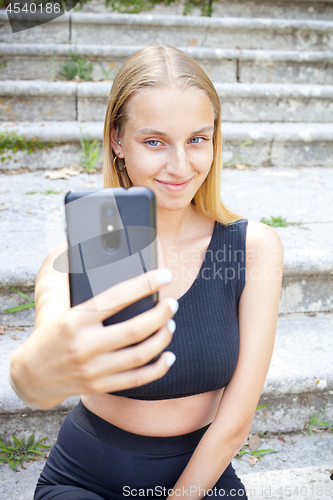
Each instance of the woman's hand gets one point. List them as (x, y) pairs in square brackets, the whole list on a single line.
[(73, 354)]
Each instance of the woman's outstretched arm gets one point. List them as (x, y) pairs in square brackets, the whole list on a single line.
[(258, 313), (70, 352)]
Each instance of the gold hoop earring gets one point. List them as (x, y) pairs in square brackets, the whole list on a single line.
[(114, 165)]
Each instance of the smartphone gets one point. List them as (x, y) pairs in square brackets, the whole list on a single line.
[(111, 236)]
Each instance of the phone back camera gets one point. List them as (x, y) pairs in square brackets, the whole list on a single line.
[(109, 212), (110, 234)]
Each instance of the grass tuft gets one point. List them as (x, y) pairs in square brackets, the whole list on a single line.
[(19, 451), (76, 67)]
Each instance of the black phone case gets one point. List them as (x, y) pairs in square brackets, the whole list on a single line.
[(99, 259)]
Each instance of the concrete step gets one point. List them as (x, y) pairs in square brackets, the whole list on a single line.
[(31, 224), (69, 101), (284, 9), (299, 381), (289, 473), (256, 144), (25, 61), (133, 29)]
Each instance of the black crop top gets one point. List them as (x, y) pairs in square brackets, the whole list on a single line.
[(206, 340)]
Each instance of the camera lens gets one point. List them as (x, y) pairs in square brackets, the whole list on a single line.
[(109, 212)]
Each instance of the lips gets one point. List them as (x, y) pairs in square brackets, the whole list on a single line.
[(174, 187), (173, 183)]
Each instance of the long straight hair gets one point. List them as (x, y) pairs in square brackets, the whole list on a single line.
[(162, 66)]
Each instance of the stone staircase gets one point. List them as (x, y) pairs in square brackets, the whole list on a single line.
[(272, 65)]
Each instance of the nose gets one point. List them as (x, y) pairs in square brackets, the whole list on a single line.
[(178, 163)]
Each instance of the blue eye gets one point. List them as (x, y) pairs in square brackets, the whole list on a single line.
[(197, 140), (154, 141)]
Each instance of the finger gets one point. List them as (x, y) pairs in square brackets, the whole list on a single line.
[(127, 358), (136, 377), (119, 296), (110, 338)]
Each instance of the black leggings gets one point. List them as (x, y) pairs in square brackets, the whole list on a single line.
[(94, 460)]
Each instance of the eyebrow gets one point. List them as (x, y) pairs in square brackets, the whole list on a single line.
[(149, 131)]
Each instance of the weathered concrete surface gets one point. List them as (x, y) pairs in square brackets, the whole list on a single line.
[(241, 102), (267, 144), (297, 9), (30, 61), (272, 34), (244, 33), (43, 61), (56, 31), (37, 100), (69, 101), (280, 66)]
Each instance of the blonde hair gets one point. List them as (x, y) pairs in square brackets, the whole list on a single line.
[(161, 66)]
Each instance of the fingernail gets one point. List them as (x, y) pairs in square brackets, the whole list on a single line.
[(171, 325), (173, 304), (170, 359), (164, 276)]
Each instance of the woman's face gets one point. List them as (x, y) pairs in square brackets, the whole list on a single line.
[(168, 141)]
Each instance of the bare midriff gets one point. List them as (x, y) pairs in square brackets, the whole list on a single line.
[(167, 417)]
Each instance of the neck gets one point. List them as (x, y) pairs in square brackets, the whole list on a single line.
[(173, 226)]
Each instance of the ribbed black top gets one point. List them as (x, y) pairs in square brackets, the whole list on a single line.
[(206, 340)]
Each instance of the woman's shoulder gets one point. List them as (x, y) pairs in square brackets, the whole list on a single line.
[(261, 237)]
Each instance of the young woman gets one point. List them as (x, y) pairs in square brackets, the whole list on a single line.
[(173, 434)]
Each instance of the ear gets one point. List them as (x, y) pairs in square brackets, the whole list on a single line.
[(117, 148)]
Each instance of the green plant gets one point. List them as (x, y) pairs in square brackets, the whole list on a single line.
[(10, 141), (76, 66), (275, 221), (262, 406), (279, 222), (239, 158), (315, 420), (31, 302), (255, 453), (108, 74), (135, 6), (51, 191), (90, 154), (19, 451)]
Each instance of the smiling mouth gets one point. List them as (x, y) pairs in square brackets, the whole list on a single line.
[(172, 187)]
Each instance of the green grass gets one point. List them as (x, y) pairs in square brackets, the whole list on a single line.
[(279, 222), (262, 406), (76, 65), (135, 6), (235, 159), (256, 453), (10, 141), (31, 302), (48, 191), (19, 451), (315, 420), (90, 154)]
